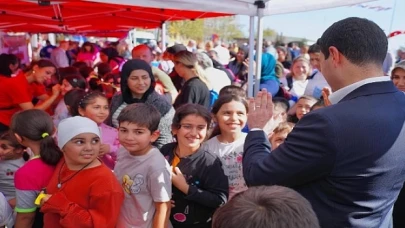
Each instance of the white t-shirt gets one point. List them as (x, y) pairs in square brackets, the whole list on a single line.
[(298, 87), (231, 158), (315, 85), (146, 179), (217, 78)]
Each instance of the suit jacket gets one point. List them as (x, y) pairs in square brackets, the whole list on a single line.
[(347, 159)]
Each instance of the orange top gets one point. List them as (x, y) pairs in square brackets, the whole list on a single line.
[(91, 198)]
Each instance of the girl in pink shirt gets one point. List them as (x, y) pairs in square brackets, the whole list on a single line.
[(33, 129), (94, 105)]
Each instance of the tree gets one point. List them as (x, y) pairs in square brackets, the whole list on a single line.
[(201, 29), (269, 33), (186, 29), (225, 27)]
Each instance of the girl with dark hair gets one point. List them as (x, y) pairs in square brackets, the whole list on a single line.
[(227, 139), (17, 93), (9, 64), (34, 129), (81, 192), (12, 157), (238, 66), (199, 183), (72, 99), (110, 55), (87, 54), (94, 105), (68, 83), (137, 86)]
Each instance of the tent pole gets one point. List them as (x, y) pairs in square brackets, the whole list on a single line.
[(163, 36), (251, 54), (259, 49)]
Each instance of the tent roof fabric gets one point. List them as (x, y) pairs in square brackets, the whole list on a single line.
[(109, 17), (82, 17), (242, 7)]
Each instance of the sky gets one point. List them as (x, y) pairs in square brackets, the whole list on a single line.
[(312, 24)]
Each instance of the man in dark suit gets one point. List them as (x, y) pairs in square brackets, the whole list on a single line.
[(347, 159)]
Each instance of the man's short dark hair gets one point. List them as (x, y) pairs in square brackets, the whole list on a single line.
[(360, 40), (265, 206), (141, 114), (314, 48)]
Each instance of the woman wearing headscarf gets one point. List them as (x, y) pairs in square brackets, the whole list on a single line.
[(137, 86), (269, 79), (110, 55)]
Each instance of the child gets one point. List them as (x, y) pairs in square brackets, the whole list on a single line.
[(94, 105), (302, 107), (263, 207), (227, 139), (12, 157), (280, 134), (82, 192), (298, 80), (142, 170), (199, 183), (316, 81), (68, 83), (33, 129)]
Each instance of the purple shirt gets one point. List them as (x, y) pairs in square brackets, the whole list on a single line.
[(109, 136)]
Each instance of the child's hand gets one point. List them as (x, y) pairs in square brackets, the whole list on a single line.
[(172, 203), (104, 149), (179, 181), (326, 92), (44, 199)]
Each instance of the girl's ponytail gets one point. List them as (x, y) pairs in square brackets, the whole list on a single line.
[(36, 125), (49, 150)]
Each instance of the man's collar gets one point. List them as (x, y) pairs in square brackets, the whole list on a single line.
[(338, 95)]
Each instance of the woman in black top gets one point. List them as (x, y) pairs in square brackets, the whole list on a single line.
[(196, 89)]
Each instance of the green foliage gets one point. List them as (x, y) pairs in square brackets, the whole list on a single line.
[(202, 29)]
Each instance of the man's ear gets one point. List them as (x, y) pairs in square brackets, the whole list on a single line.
[(335, 55), (154, 136)]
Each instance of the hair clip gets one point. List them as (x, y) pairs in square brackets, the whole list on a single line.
[(44, 135)]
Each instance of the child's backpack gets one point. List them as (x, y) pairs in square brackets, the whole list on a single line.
[(213, 97)]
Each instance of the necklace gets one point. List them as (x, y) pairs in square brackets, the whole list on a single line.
[(60, 182)]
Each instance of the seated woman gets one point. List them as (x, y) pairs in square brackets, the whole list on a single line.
[(82, 191), (137, 86)]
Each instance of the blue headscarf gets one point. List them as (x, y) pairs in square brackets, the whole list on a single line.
[(268, 68)]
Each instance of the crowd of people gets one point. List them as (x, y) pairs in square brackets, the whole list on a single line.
[(89, 138)]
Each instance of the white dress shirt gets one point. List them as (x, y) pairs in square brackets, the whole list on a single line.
[(341, 93)]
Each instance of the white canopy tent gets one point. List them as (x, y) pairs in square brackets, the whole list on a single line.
[(252, 8)]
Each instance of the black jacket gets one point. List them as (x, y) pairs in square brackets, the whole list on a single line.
[(208, 187)]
